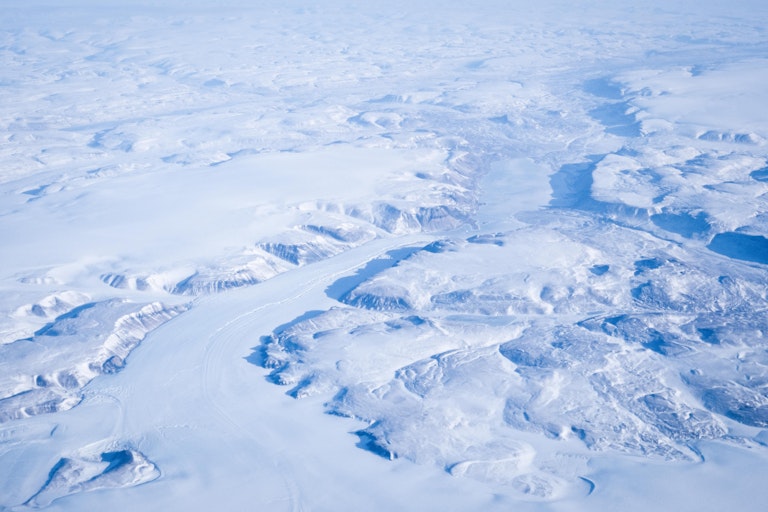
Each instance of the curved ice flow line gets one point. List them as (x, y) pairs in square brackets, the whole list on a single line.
[(167, 365), (224, 339)]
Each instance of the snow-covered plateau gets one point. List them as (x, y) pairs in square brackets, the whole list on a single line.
[(427, 255)]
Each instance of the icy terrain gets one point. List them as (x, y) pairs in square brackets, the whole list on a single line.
[(399, 256)]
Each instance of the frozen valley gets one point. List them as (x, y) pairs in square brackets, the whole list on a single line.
[(413, 256)]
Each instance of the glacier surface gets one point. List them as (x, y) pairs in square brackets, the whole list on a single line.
[(413, 256)]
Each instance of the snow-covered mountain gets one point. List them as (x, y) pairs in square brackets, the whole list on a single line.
[(414, 256)]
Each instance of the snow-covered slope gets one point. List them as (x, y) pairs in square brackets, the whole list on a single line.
[(399, 256), (46, 373)]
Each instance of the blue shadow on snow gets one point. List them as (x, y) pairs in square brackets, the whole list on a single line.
[(741, 247)]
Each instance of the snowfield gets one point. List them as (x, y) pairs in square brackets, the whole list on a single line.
[(400, 256)]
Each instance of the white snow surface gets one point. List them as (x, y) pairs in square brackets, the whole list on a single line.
[(394, 256)]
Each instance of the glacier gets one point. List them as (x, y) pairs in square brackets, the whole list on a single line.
[(406, 255)]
